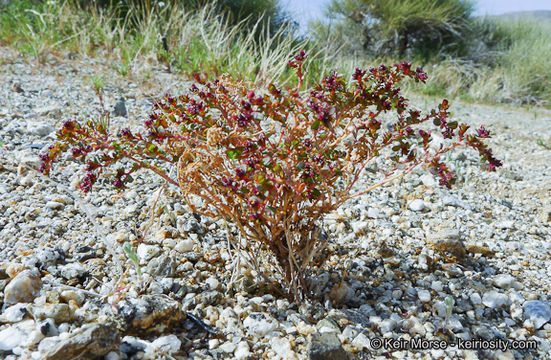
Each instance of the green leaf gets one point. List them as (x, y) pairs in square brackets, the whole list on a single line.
[(233, 153), (315, 125), (131, 254)]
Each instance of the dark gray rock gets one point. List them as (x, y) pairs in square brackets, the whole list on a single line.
[(149, 315), (88, 342), (162, 266), (326, 346), (120, 108)]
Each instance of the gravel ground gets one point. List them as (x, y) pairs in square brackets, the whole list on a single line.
[(467, 266)]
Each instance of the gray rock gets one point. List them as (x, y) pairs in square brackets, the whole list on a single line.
[(48, 328), (23, 288), (22, 334), (165, 344), (149, 314), (14, 313), (39, 128), (59, 312), (424, 295), (184, 246), (189, 226), (417, 205), (450, 200), (90, 341), (494, 299), (72, 271), (449, 241), (260, 324), (373, 213), (537, 311), (162, 266), (504, 281), (120, 108), (147, 252), (326, 346), (328, 325)]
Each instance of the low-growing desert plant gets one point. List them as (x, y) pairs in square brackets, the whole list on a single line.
[(275, 162)]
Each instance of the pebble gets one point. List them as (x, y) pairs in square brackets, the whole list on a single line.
[(146, 252), (165, 344), (23, 288), (282, 348), (184, 246), (120, 108), (537, 311), (326, 346), (494, 299), (89, 341), (417, 205), (14, 313), (22, 334), (228, 347), (504, 281), (242, 351), (424, 295), (212, 283), (260, 324)]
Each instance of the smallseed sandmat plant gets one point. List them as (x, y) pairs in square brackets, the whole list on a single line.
[(274, 163)]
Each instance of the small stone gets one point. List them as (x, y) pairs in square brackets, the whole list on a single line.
[(436, 286), (213, 343), (328, 325), (48, 328), (54, 205), (39, 128), (424, 295), (504, 281), (326, 346), (22, 334), (72, 271), (428, 180), (166, 344), (14, 313), (361, 341), (506, 224), (23, 288), (149, 314), (448, 241), (147, 252), (282, 348), (373, 213), (537, 311), (494, 299), (120, 107), (242, 351), (228, 347), (59, 312), (417, 205), (90, 341), (305, 329), (184, 246), (476, 299), (387, 326), (213, 283), (260, 324)]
